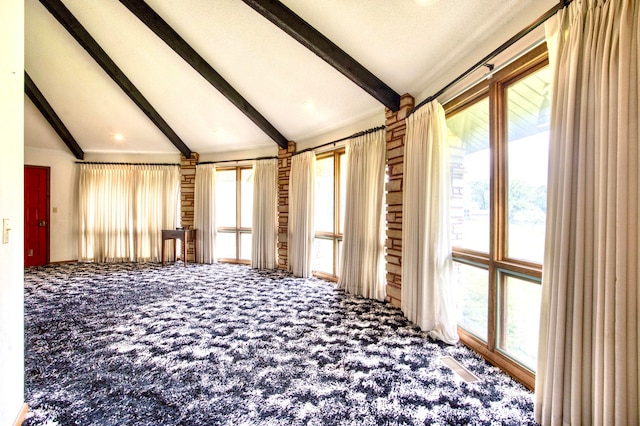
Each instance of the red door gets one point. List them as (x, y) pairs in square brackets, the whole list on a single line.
[(36, 216)]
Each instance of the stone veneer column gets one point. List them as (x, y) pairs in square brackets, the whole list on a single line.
[(187, 195), (284, 170), (396, 130)]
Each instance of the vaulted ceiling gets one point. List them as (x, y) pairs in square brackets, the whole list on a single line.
[(219, 75)]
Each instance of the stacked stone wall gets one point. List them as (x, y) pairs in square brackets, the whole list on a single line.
[(187, 195), (396, 132), (284, 171)]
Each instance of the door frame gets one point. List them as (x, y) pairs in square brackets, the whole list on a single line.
[(47, 170)]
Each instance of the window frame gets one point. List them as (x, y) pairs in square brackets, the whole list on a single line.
[(336, 236), (238, 230), (496, 260)]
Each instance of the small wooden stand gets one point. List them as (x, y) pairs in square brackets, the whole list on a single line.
[(184, 235)]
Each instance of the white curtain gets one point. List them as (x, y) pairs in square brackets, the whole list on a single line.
[(301, 198), (204, 213), (588, 369), (123, 209), (427, 293), (362, 259), (265, 214)]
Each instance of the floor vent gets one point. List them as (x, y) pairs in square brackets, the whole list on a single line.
[(457, 368)]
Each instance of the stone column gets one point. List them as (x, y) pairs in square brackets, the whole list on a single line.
[(187, 195), (284, 170), (396, 131)]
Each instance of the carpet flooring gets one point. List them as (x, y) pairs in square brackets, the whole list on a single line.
[(142, 344)]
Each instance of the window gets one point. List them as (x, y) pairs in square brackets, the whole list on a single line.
[(519, 312), (472, 297), (331, 181), (470, 171), (498, 139), (234, 214)]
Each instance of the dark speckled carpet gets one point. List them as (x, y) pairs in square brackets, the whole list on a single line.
[(141, 344)]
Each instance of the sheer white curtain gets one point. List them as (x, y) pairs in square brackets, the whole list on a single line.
[(122, 210), (588, 369), (105, 212), (427, 293), (155, 208), (265, 214), (204, 212), (362, 260), (301, 198)]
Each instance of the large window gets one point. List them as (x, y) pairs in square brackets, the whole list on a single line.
[(498, 137), (329, 212), (234, 214)]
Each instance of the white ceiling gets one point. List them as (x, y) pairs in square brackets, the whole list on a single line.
[(414, 46)]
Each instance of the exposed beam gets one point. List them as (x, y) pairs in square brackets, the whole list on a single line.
[(47, 111), (73, 26), (313, 40), (163, 30)]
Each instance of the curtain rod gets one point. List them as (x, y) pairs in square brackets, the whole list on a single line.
[(127, 164), (484, 61), (237, 161), (355, 135), (493, 70)]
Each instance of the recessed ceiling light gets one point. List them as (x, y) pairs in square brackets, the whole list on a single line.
[(118, 137)]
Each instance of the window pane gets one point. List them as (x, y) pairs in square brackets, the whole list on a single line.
[(245, 246), (322, 256), (323, 210), (226, 198), (226, 245), (343, 189), (470, 166), (527, 161), (246, 200), (472, 298), (521, 313)]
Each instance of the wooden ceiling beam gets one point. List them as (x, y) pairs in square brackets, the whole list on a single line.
[(312, 39), (163, 30), (73, 26), (50, 115)]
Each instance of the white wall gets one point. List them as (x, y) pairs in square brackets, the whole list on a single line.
[(11, 207), (343, 132), (63, 218), (239, 155), (334, 134), (131, 157)]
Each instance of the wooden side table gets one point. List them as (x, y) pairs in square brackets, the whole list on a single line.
[(184, 235)]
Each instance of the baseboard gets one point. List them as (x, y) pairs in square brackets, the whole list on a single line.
[(21, 415), (60, 262)]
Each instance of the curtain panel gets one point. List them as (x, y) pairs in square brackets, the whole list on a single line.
[(362, 259), (301, 199), (204, 212), (123, 209), (588, 366), (427, 293), (265, 214)]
